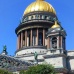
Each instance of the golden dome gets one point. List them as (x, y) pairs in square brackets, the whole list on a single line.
[(39, 5), (56, 25)]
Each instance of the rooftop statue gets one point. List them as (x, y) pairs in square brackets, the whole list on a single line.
[(35, 56), (4, 50)]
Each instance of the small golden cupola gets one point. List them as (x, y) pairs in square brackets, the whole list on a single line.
[(56, 25), (40, 5)]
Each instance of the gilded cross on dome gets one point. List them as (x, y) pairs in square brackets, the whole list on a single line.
[(40, 0)]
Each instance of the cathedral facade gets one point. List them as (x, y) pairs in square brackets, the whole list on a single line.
[(40, 32)]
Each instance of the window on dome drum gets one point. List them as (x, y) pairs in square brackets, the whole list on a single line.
[(36, 16), (51, 18), (54, 18), (40, 41), (22, 19), (26, 19), (54, 42), (45, 17), (32, 17)]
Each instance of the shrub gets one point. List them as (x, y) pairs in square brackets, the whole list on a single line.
[(40, 69), (4, 72)]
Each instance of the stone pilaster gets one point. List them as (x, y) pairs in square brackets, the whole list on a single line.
[(64, 43), (37, 36), (17, 42), (59, 41), (21, 39), (31, 37), (25, 38), (48, 43), (27, 41), (43, 37)]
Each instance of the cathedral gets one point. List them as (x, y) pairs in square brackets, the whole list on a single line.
[(41, 38)]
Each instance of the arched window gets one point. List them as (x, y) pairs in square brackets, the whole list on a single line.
[(54, 42)]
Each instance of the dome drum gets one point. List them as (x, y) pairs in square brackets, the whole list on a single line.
[(40, 12), (42, 16)]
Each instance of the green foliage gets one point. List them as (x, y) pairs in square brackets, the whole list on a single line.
[(40, 69), (22, 72), (4, 72)]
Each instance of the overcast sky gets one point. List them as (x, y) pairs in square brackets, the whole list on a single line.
[(11, 12)]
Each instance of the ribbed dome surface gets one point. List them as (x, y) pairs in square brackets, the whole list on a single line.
[(39, 5)]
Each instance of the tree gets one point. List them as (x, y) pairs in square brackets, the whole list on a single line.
[(40, 69), (22, 72), (4, 72)]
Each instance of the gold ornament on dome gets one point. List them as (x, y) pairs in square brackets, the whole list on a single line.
[(56, 25), (40, 0), (39, 5)]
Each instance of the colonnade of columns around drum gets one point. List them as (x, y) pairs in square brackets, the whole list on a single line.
[(22, 38)]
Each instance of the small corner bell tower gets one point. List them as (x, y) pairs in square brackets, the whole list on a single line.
[(56, 38), (56, 54)]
